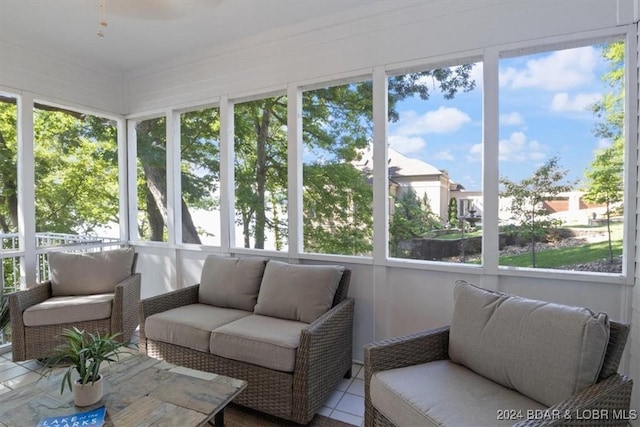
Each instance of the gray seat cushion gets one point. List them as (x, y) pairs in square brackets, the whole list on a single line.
[(190, 325), (546, 351), (69, 309), (443, 393), (231, 282), (89, 272), (264, 341)]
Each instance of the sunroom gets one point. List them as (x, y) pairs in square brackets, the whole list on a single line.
[(394, 138)]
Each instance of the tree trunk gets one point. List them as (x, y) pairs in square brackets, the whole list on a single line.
[(189, 232), (156, 221), (262, 130), (609, 233), (156, 182), (533, 236), (246, 229), (10, 196)]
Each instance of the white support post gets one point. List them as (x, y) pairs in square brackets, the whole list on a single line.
[(132, 173), (26, 191), (123, 187), (490, 169), (631, 195), (174, 196), (381, 284), (227, 195), (295, 178), (380, 169)]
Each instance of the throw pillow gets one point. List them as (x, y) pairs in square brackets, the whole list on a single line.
[(89, 272), (231, 282), (298, 292), (546, 351)]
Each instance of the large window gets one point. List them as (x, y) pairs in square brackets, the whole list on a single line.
[(261, 173), (9, 264), (8, 171), (337, 169), (152, 179), (435, 167), (76, 177), (200, 176), (562, 159)]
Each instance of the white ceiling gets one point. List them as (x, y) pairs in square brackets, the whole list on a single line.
[(141, 33)]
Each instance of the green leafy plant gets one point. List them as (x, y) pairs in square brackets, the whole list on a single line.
[(83, 352)]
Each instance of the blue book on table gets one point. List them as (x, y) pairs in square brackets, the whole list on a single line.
[(93, 418)]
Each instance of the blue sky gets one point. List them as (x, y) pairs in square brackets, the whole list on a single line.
[(545, 111)]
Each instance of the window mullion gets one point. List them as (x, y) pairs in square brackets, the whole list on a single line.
[(490, 171)]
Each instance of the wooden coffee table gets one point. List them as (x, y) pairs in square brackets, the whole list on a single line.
[(138, 391)]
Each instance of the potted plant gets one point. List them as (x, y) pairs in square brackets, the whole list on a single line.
[(83, 353)]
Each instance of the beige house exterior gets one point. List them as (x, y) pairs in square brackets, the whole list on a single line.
[(425, 179)]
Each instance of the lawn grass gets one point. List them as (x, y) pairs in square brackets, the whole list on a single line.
[(553, 258)]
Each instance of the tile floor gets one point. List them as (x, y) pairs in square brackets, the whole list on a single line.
[(346, 403)]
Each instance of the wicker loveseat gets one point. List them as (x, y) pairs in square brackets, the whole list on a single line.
[(504, 360), (94, 291), (285, 329)]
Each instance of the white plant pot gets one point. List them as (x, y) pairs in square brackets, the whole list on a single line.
[(87, 394)]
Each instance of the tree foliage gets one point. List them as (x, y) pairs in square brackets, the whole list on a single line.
[(605, 173), (412, 217), (77, 168), (526, 197), (452, 212)]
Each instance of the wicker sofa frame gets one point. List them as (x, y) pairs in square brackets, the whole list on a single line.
[(324, 356), (612, 391), (36, 342)]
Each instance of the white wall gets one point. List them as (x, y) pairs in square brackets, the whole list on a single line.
[(58, 80), (357, 42)]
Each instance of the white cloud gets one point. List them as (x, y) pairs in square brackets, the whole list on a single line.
[(442, 120), (444, 155), (406, 144), (560, 70), (511, 119), (518, 149), (580, 102), (475, 153), (603, 144)]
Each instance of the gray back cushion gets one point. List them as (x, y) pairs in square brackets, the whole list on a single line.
[(297, 292), (231, 282), (545, 351), (89, 272)]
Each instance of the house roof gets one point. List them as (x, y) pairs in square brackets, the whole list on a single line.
[(399, 165)]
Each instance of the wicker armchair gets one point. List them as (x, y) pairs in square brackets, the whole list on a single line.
[(36, 342), (612, 392), (324, 356)]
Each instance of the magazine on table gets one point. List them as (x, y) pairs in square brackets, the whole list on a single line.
[(94, 418)]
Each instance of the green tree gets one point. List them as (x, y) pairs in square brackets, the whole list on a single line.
[(76, 172), (8, 166), (337, 123), (605, 173), (526, 197), (411, 218), (452, 212), (605, 185)]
